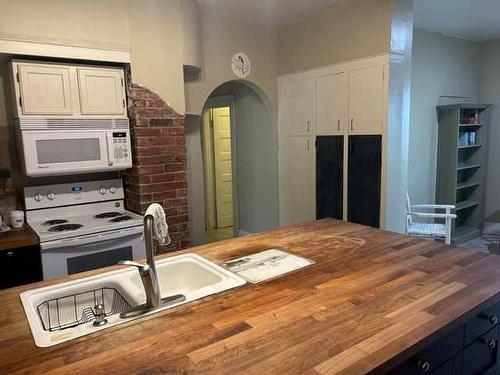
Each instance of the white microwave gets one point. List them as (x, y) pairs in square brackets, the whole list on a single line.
[(74, 148)]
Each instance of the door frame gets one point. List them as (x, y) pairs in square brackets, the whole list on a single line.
[(217, 102)]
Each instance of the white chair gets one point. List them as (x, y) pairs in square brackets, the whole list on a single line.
[(426, 229)]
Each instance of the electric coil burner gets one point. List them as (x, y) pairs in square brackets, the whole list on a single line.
[(55, 222), (121, 218), (107, 215), (65, 227)]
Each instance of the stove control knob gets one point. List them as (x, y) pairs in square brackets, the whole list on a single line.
[(112, 190), (38, 197), (51, 196), (102, 191)]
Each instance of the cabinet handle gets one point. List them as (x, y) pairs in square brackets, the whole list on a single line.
[(424, 366), (352, 124), (492, 344), (10, 254), (338, 125), (493, 319), (308, 126)]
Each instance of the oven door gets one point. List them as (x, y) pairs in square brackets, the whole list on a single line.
[(73, 255), (65, 151)]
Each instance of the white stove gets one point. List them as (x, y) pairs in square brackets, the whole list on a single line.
[(83, 226)]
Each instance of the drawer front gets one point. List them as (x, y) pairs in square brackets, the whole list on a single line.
[(481, 323), (481, 356), (452, 367), (436, 354)]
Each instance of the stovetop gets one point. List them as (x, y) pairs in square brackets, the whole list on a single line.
[(73, 221)]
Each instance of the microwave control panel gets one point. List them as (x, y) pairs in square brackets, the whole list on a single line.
[(121, 148)]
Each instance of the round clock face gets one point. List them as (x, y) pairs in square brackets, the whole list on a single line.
[(241, 65)]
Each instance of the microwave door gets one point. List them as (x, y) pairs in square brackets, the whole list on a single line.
[(64, 152)]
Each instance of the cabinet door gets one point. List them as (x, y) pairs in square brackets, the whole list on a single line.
[(20, 266), (297, 108), (329, 176), (45, 90), (364, 179), (331, 96), (366, 100), (297, 203), (481, 357), (101, 91)]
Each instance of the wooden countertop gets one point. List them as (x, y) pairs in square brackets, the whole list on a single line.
[(16, 238), (372, 299)]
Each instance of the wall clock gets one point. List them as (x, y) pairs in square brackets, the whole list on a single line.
[(241, 65)]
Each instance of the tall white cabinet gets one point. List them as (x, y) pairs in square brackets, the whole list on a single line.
[(344, 104)]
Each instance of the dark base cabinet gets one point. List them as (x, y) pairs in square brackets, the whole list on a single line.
[(20, 266), (329, 176), (470, 349)]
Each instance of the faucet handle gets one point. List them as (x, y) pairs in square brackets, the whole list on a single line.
[(143, 268)]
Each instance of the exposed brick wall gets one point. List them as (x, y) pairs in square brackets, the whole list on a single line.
[(159, 162)]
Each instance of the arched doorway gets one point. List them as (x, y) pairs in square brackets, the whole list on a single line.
[(239, 161)]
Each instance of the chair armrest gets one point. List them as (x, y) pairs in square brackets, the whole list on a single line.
[(441, 206), (436, 216)]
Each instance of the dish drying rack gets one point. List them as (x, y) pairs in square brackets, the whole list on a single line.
[(73, 310)]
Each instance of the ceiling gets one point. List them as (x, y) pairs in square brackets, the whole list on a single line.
[(476, 20)]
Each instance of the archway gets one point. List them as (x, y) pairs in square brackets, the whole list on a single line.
[(251, 192)]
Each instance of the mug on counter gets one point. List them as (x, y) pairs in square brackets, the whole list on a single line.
[(16, 218)]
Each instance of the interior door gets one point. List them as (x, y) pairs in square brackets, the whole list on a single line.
[(45, 90), (364, 179), (102, 91), (331, 98), (223, 168), (297, 196), (366, 100), (297, 108)]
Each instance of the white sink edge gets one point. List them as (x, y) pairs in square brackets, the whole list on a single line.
[(45, 338)]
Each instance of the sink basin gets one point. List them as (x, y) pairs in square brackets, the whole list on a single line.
[(65, 311)]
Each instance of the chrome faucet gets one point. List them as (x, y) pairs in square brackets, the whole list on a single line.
[(149, 277)]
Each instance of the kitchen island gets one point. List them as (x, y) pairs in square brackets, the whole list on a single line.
[(373, 301)]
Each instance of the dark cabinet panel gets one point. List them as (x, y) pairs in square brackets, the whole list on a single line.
[(435, 356), (20, 266), (481, 356), (481, 323), (364, 179), (329, 176)]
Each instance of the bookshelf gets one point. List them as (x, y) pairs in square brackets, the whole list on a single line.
[(461, 165)]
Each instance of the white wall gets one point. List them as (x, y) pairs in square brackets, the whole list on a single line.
[(228, 28), (348, 30), (490, 93), (441, 66)]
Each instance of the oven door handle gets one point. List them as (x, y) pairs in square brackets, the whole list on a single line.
[(91, 238)]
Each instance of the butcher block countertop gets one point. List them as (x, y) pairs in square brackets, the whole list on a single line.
[(371, 300), (16, 238)]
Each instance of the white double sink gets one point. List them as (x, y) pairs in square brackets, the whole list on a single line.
[(64, 311)]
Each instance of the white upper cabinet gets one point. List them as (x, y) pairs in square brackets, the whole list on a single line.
[(59, 90), (297, 108), (44, 90), (331, 104), (102, 91), (366, 100)]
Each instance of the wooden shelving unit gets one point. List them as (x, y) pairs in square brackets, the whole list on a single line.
[(461, 168)]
